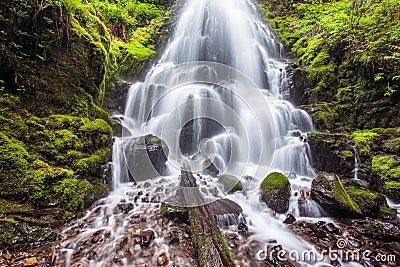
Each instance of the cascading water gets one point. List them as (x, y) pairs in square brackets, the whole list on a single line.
[(214, 96)]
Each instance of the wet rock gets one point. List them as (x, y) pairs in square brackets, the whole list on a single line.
[(210, 169), (328, 191), (289, 219), (125, 207), (147, 237), (389, 231), (162, 259), (224, 206), (31, 261), (243, 230), (275, 192), (332, 153), (230, 183), (146, 157)]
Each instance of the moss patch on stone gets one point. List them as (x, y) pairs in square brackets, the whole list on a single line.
[(230, 183), (386, 167), (365, 142), (344, 199)]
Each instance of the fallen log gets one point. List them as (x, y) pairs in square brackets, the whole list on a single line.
[(207, 239)]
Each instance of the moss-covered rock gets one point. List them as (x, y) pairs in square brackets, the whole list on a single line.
[(365, 142), (393, 146), (369, 202), (230, 183), (275, 192), (18, 235), (328, 191), (14, 166), (392, 189), (332, 153), (384, 169)]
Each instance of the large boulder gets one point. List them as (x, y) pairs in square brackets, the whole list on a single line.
[(225, 206), (332, 153), (275, 192), (146, 157), (369, 202), (328, 191)]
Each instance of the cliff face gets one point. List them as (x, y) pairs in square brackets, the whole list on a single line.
[(347, 59), (58, 60)]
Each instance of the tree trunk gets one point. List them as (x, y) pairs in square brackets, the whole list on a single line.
[(207, 239)]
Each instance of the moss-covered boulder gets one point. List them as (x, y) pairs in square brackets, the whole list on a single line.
[(384, 169), (14, 166), (230, 183), (392, 189), (332, 153), (328, 191), (393, 146), (369, 202), (275, 192)]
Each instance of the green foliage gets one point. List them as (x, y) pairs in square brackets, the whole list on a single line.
[(393, 190), (347, 154), (71, 193), (363, 198), (91, 164), (349, 61), (365, 142)]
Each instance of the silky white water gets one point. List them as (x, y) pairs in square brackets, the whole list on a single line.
[(216, 95)]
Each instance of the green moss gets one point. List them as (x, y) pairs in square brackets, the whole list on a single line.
[(386, 167), (387, 213), (393, 190), (230, 183), (361, 197), (7, 227), (14, 165), (71, 193), (7, 206), (274, 181), (393, 146), (347, 154), (167, 210), (365, 142), (90, 165), (344, 199), (95, 134)]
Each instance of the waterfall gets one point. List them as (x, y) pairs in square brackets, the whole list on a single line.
[(221, 78), (215, 96)]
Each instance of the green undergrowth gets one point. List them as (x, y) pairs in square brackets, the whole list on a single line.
[(60, 58), (349, 63)]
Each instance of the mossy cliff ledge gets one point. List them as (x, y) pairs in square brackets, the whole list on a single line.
[(59, 60), (346, 71)]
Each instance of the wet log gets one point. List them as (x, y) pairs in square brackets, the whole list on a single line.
[(207, 239)]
